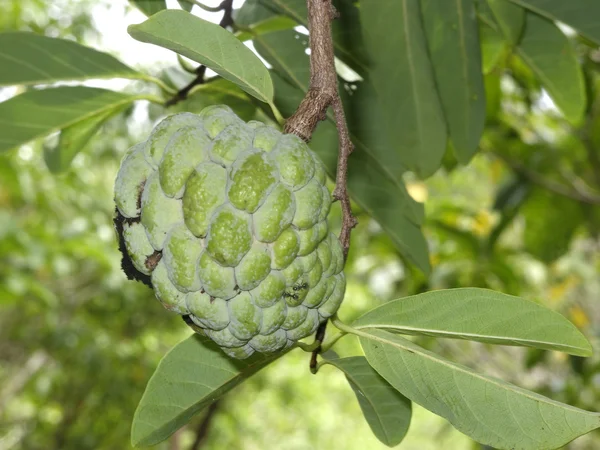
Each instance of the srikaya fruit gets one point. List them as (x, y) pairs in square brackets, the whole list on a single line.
[(227, 222)]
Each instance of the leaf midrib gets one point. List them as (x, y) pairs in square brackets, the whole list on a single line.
[(462, 335), (455, 367)]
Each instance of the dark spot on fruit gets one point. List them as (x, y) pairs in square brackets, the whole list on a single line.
[(139, 197), (126, 263)]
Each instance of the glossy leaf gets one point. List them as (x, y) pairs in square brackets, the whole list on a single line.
[(150, 7), (209, 44), (510, 19), (190, 377), (387, 412), (29, 58), (37, 113), (582, 15), (453, 41), (549, 54), (404, 89), (489, 410), (73, 139), (397, 213), (478, 315)]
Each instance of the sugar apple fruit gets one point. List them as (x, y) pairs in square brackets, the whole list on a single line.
[(227, 222)]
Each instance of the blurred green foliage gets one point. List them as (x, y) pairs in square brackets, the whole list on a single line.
[(78, 341)]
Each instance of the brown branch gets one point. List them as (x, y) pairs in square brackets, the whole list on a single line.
[(323, 93), (202, 431), (226, 21)]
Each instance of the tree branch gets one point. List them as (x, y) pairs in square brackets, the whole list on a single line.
[(203, 427), (551, 185), (323, 93), (226, 21)]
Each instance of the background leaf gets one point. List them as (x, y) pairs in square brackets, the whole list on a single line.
[(387, 412), (403, 86), (186, 5), (37, 113), (548, 52), (150, 7), (73, 139), (347, 38), (581, 15), (550, 223), (510, 19), (478, 315), (29, 58), (492, 48), (453, 41), (489, 410), (191, 376), (209, 44)]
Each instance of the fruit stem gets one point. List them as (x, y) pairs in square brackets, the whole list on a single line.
[(277, 114), (332, 341), (343, 327), (309, 348)]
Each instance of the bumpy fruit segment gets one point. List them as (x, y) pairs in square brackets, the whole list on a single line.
[(228, 222)]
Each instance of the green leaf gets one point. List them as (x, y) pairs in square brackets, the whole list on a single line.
[(453, 41), (489, 410), (492, 48), (37, 113), (550, 223), (549, 54), (186, 5), (208, 44), (370, 184), (271, 25), (253, 12), (73, 139), (218, 92), (404, 91), (190, 377), (478, 315), (347, 37), (582, 15), (510, 19), (150, 7), (387, 412), (29, 58)]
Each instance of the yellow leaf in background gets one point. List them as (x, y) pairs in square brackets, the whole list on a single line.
[(483, 222), (558, 292), (578, 316), (497, 169)]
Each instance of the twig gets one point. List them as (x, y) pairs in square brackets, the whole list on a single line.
[(323, 93), (226, 21), (203, 6), (551, 185), (202, 431)]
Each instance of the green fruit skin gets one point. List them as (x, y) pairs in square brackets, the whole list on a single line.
[(229, 219)]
